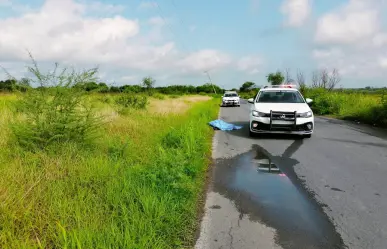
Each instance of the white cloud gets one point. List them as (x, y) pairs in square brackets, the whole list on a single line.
[(352, 63), (250, 64), (380, 40), (5, 3), (204, 60), (296, 12), (358, 20), (327, 53), (353, 39), (107, 9), (66, 31), (157, 21), (147, 5), (383, 62)]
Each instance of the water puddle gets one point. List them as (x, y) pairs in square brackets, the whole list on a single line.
[(265, 188)]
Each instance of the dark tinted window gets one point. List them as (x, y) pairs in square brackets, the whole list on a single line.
[(230, 95), (280, 96)]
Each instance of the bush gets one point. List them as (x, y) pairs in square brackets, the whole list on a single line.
[(59, 113), (159, 96), (132, 101), (364, 107), (106, 99), (248, 95)]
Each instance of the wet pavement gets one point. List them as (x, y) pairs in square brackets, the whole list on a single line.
[(265, 188), (318, 190)]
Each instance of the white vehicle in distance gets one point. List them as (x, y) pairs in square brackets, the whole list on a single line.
[(281, 109), (231, 98)]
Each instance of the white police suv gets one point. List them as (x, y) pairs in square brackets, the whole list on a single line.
[(231, 98), (281, 109)]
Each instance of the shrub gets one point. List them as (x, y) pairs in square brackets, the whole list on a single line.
[(248, 95), (173, 139), (364, 107), (132, 101), (56, 111), (106, 99), (159, 96)]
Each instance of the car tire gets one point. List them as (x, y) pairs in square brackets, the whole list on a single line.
[(307, 136)]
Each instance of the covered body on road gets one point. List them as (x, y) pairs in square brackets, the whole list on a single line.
[(281, 109)]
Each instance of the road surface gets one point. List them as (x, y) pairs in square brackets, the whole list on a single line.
[(329, 191)]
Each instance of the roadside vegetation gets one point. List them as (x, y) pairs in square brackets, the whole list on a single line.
[(87, 165), (367, 105), (83, 169)]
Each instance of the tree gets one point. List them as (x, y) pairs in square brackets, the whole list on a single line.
[(148, 82), (326, 80), (208, 88), (301, 79), (334, 79), (288, 76), (275, 78), (247, 86), (90, 86), (103, 88), (8, 85)]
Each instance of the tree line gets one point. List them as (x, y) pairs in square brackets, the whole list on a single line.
[(323, 79), (147, 85)]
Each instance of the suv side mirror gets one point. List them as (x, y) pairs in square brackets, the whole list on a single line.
[(308, 101), (250, 100)]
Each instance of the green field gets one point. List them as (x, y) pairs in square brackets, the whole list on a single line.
[(136, 185), (363, 107)]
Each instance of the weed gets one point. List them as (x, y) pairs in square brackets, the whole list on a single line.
[(367, 108), (128, 191), (159, 96), (132, 101), (55, 112)]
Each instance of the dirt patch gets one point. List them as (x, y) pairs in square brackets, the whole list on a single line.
[(178, 105)]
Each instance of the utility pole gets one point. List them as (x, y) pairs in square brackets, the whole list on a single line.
[(210, 81)]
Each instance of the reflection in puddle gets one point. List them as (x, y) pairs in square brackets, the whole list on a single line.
[(266, 165), (255, 182)]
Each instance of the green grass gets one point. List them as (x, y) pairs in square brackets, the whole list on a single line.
[(138, 186), (367, 108)]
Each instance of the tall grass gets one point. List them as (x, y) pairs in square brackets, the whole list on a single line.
[(367, 108), (138, 187), (56, 112)]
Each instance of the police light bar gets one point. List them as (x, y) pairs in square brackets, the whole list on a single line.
[(282, 86), (289, 86)]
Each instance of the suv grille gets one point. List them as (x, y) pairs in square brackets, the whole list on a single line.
[(287, 116)]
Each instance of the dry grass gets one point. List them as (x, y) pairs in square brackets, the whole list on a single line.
[(110, 194), (177, 106)]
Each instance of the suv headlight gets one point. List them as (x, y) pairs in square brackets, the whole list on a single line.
[(305, 114), (258, 114)]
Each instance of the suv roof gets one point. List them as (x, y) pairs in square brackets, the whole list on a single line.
[(280, 87)]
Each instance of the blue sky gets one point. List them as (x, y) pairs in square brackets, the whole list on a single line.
[(175, 41)]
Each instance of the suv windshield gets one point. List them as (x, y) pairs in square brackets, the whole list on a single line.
[(230, 95), (280, 96)]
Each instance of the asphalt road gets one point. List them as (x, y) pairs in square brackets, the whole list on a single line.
[(328, 191)]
